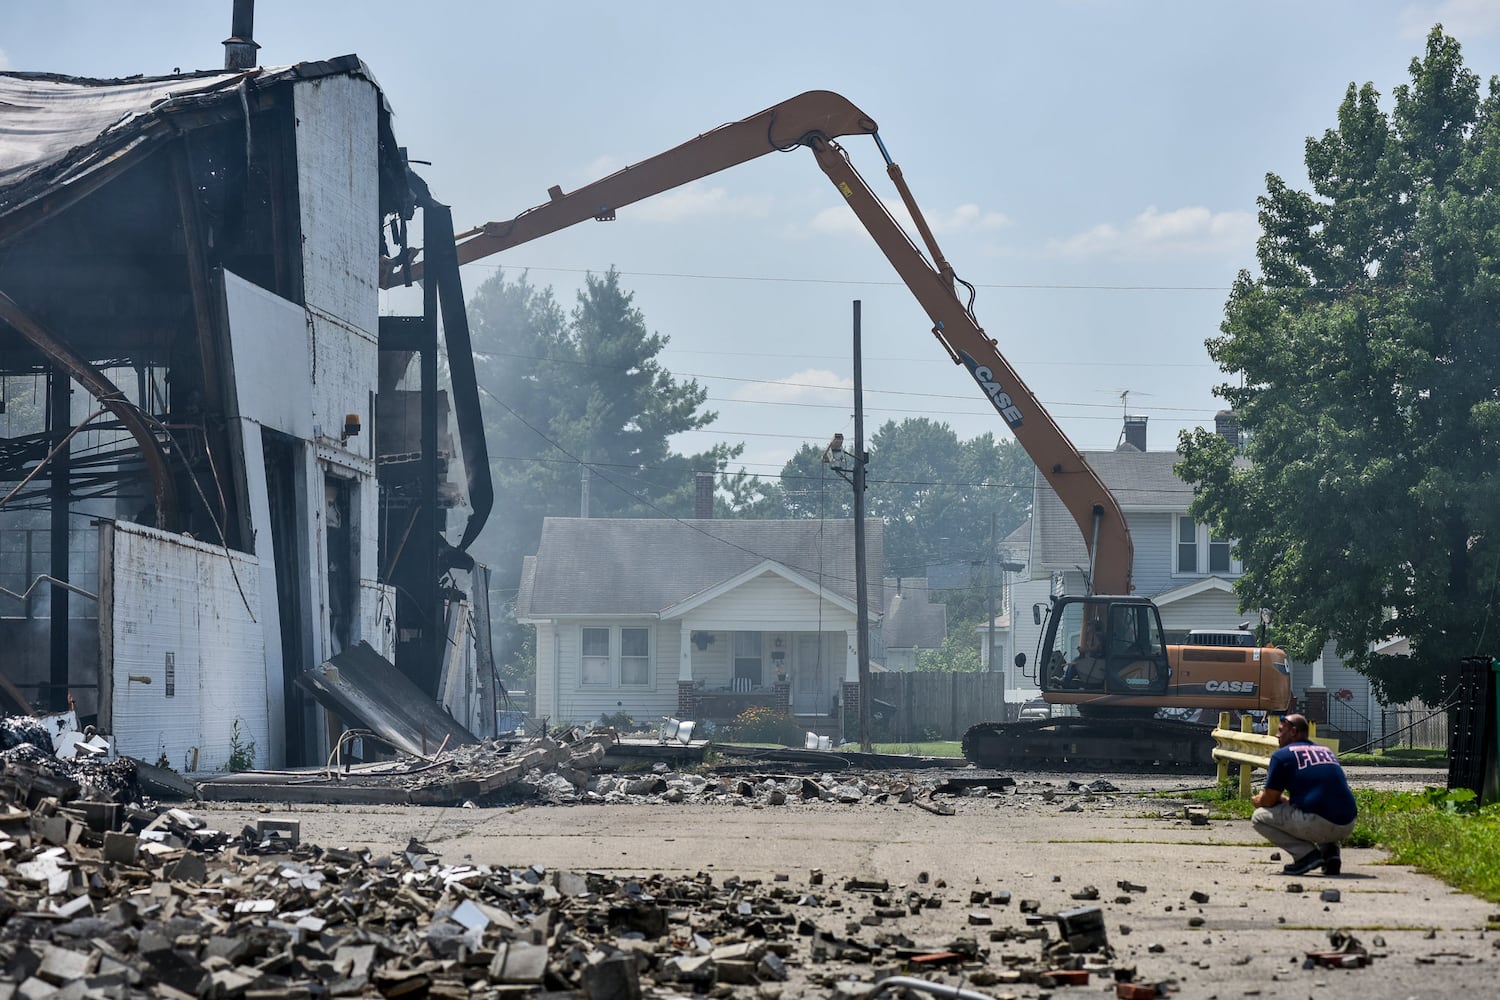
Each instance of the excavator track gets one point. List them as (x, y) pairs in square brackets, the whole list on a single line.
[(1080, 744)]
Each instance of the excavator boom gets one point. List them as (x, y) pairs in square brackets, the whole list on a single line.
[(815, 120), (1105, 650)]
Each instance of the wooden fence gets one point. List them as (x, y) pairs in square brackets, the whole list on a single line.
[(911, 707), (1414, 725)]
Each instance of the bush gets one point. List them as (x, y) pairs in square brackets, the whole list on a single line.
[(763, 724), (620, 722)]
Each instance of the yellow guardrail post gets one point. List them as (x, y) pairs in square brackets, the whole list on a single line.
[(1250, 749)]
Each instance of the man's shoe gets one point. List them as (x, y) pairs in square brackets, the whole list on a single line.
[(1333, 862), (1304, 864)]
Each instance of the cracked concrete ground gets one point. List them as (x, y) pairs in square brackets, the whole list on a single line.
[(1247, 938)]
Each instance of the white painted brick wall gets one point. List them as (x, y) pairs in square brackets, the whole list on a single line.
[(179, 598)]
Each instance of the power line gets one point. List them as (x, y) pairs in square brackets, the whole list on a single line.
[(680, 375), (855, 282), (645, 501), (1025, 484)]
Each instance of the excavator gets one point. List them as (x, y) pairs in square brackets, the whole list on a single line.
[(1103, 651)]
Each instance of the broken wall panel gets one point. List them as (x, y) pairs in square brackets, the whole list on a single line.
[(187, 656), (458, 681), (377, 623), (270, 358), (270, 389), (365, 690)]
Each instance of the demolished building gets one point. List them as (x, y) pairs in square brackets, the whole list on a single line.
[(220, 467)]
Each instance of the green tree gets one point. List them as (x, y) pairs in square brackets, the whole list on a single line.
[(959, 652), (934, 493), (1367, 367)]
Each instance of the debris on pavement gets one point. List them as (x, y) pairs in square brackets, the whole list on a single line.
[(142, 898), (1346, 953)]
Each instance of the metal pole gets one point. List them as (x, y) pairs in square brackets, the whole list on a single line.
[(861, 598), (60, 493)]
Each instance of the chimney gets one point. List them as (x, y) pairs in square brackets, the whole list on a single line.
[(240, 46), (703, 497), (1135, 434), (1227, 426)]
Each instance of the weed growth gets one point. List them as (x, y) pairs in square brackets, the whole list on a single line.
[(241, 750)]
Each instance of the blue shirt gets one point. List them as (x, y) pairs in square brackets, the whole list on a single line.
[(1309, 774)]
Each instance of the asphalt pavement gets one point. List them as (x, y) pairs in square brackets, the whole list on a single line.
[(1199, 907)]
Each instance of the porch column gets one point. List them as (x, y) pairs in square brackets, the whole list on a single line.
[(851, 660), (685, 645), (850, 695), (687, 704)]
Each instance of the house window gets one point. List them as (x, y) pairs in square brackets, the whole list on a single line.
[(1199, 552), (635, 656), (594, 665), (1187, 545), (615, 657), (1218, 555), (747, 657)]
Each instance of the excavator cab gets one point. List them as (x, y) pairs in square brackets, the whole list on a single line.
[(1102, 646)]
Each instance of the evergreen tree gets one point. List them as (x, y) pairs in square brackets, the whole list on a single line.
[(569, 396)]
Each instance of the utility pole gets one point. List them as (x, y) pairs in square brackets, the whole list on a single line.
[(989, 594), (862, 601)]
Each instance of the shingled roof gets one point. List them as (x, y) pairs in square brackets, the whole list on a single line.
[(911, 621), (634, 566)]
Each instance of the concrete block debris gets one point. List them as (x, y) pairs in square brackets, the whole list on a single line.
[(1083, 929), (289, 831), (1345, 952)]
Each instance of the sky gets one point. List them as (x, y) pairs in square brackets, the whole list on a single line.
[(1091, 166)]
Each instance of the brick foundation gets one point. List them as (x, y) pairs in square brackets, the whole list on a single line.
[(849, 710), (783, 693)]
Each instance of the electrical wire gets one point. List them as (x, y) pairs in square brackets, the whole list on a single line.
[(855, 282)]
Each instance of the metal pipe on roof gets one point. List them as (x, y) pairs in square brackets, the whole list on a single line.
[(240, 47)]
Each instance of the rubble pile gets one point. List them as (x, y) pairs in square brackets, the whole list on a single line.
[(167, 907), (27, 757), (130, 899)]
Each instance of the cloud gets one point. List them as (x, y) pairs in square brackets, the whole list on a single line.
[(1153, 233), (4, 60), (1462, 19), (811, 385), (838, 220)]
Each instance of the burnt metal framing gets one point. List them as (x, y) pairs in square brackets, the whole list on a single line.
[(409, 547)]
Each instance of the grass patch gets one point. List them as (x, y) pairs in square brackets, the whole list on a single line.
[(1223, 801), (1442, 833), (929, 748), (1445, 834), (1398, 757)]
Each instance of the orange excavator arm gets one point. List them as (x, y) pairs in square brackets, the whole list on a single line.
[(814, 120)]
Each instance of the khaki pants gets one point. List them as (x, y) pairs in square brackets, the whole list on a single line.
[(1295, 831)]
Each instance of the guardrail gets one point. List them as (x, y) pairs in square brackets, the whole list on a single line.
[(1250, 749)]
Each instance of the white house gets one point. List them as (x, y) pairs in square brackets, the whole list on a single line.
[(698, 618)]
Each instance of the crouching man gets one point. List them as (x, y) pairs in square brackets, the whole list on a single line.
[(1306, 808)]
